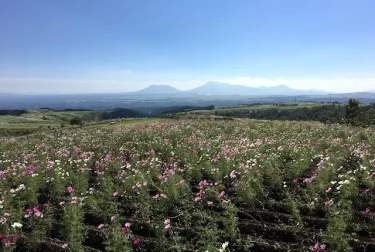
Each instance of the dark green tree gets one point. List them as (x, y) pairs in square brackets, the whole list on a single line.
[(75, 121), (352, 111)]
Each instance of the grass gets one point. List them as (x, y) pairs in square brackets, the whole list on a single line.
[(39, 120), (123, 122)]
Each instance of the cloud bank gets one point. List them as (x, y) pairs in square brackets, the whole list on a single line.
[(56, 85)]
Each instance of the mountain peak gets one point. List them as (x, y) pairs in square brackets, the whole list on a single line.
[(220, 88), (158, 89)]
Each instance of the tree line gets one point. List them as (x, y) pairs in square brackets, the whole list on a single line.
[(351, 113)]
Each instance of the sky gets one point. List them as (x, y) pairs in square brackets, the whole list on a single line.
[(91, 46)]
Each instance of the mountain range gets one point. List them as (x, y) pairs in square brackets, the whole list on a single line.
[(220, 88)]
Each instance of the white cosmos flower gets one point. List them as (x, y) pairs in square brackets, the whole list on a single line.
[(17, 225)]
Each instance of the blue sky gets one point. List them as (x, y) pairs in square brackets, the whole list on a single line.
[(84, 46)]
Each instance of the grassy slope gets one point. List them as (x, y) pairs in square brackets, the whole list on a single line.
[(37, 120)]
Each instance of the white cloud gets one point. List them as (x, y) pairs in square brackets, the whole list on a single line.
[(55, 85)]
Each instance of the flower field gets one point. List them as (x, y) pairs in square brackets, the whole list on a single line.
[(190, 185)]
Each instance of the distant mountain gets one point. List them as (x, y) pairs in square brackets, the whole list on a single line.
[(158, 89), (220, 88)]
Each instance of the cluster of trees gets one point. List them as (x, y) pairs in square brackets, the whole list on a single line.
[(147, 112), (65, 110), (121, 113), (352, 113), (359, 115), (179, 109), (13, 112)]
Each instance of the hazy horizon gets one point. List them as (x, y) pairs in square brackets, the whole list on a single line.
[(91, 46)]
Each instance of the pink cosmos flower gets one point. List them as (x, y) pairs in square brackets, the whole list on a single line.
[(3, 220), (210, 203), (38, 214), (328, 190), (7, 214), (70, 189), (323, 246), (115, 194), (197, 199), (163, 196), (100, 226), (127, 224), (316, 246), (329, 203), (366, 211), (221, 194), (61, 203), (367, 190), (308, 180), (137, 241), (65, 245), (113, 218)]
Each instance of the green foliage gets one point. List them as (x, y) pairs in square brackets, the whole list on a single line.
[(352, 111), (73, 230), (121, 113), (75, 121)]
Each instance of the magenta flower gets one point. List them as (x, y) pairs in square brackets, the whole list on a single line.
[(137, 241), (316, 246), (221, 194), (366, 211), (329, 203), (70, 189)]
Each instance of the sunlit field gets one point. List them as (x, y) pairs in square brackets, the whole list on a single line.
[(190, 185)]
